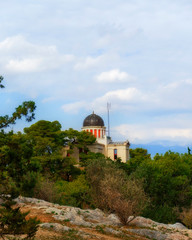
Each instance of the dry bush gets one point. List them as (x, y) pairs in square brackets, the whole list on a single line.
[(112, 190), (125, 197), (46, 190), (186, 217)]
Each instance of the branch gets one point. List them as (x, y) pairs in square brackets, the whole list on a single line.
[(26, 109), (1, 79)]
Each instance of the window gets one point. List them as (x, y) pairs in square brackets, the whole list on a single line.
[(115, 154), (95, 132), (99, 133)]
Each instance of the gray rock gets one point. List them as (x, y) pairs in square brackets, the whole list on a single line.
[(152, 234), (36, 201), (79, 221), (114, 220), (74, 215), (177, 226), (55, 226), (111, 230), (54, 211)]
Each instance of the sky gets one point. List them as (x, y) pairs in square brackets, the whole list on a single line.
[(73, 56)]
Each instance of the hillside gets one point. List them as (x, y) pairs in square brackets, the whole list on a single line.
[(64, 222)]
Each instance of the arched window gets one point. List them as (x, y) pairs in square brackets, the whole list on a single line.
[(99, 133), (95, 132)]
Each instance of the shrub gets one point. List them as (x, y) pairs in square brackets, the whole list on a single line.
[(186, 217), (161, 213), (46, 189), (13, 222), (112, 190), (75, 193), (123, 196)]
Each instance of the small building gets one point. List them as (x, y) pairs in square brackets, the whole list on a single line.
[(104, 144)]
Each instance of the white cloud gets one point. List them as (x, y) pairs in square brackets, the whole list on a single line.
[(153, 132), (73, 107), (88, 62), (118, 98), (25, 65), (115, 75), (21, 56)]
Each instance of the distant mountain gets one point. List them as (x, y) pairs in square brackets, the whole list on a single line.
[(161, 149)]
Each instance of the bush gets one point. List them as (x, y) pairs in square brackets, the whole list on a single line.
[(46, 190), (76, 193), (164, 213), (186, 217), (13, 222), (112, 190)]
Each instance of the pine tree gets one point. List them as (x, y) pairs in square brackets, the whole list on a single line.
[(12, 220)]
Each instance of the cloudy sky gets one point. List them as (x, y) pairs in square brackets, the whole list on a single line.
[(73, 56)]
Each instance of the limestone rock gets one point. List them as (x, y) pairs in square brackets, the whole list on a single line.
[(55, 226), (177, 226), (80, 219), (151, 234)]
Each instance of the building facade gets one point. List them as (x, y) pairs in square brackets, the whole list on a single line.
[(104, 144)]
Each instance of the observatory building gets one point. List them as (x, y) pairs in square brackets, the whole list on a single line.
[(104, 144)]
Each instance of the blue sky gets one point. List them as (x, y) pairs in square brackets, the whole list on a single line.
[(72, 57)]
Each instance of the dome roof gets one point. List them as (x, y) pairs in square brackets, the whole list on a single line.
[(93, 120)]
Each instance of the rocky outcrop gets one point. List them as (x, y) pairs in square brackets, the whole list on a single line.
[(95, 224)]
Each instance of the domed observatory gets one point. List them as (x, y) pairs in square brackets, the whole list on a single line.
[(95, 125)]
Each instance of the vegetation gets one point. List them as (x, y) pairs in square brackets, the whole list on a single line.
[(12, 221), (113, 190), (39, 163), (186, 216)]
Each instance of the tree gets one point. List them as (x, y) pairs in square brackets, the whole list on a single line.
[(12, 152), (12, 221), (26, 109), (78, 139), (167, 181), (1, 79), (137, 156), (48, 141)]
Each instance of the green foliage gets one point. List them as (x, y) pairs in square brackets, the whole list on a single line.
[(167, 180), (12, 221), (1, 79), (87, 158), (26, 109), (47, 141), (79, 139), (46, 136), (161, 213), (137, 156), (15, 153), (75, 193)]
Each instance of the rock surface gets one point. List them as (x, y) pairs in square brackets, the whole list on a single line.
[(95, 224)]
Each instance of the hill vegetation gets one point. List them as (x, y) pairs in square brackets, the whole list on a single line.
[(33, 164)]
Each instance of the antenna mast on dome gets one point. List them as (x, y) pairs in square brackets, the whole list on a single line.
[(108, 108)]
